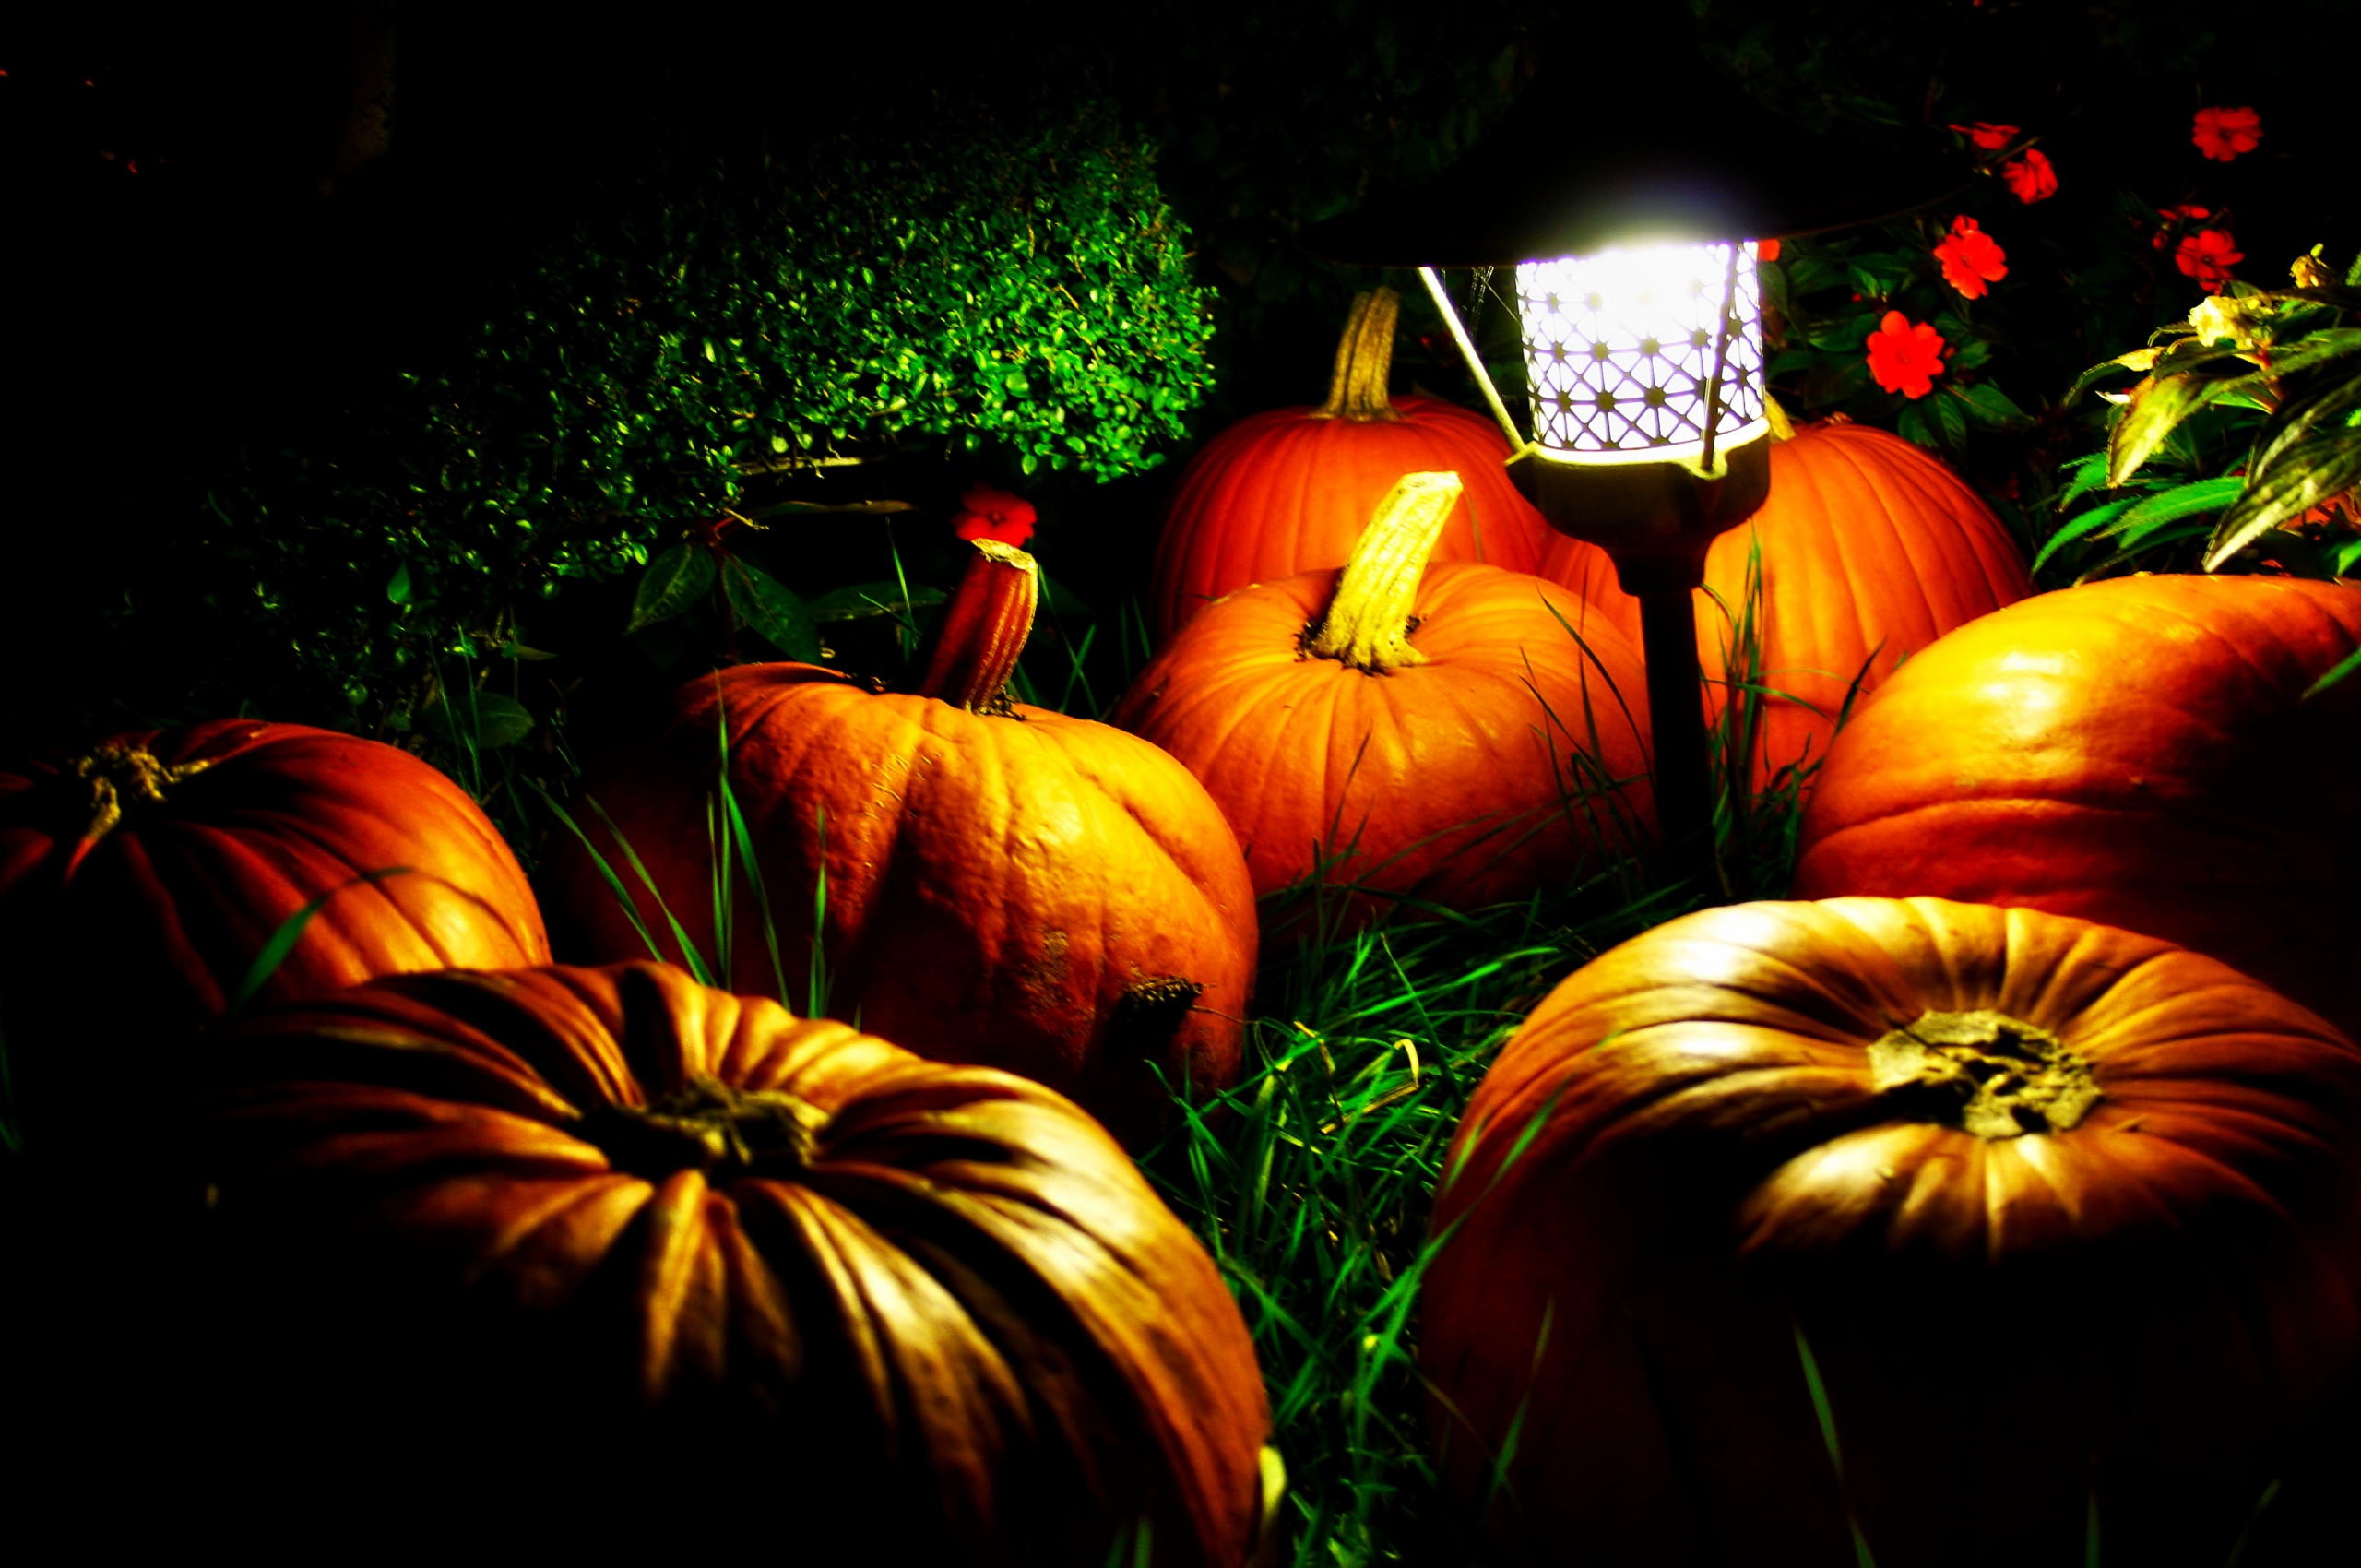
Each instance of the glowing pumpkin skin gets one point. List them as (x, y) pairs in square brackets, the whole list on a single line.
[(1289, 490), (152, 870), (1871, 548), (1510, 759), (1010, 886), (2135, 751), (601, 1226), (1712, 1147)]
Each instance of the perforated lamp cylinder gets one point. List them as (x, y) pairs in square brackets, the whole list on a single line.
[(1634, 249)]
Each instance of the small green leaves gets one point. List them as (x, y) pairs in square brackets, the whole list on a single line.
[(481, 720), (674, 580), (1988, 407), (862, 601), (397, 586), (763, 602)]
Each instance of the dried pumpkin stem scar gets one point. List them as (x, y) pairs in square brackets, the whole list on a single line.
[(1986, 1073), (1367, 621), (707, 1125)]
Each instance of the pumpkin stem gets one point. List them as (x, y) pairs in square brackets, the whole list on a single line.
[(1782, 427), (115, 775), (1985, 1072), (706, 1126), (1364, 361), (973, 649), (1367, 622)]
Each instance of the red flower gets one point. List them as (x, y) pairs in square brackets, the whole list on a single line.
[(1766, 250), (2226, 132), (2174, 217), (1972, 260), (994, 515), (2207, 255), (1904, 358), (1985, 136), (2031, 178)]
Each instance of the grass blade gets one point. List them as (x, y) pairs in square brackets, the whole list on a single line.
[(282, 942)]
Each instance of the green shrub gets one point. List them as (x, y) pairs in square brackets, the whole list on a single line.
[(975, 286)]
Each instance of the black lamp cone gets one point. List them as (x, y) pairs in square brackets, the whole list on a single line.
[(1647, 141)]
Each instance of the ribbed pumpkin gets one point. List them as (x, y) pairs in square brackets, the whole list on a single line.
[(140, 880), (2137, 750), (1871, 547), (1002, 884), (2056, 1225), (1289, 490), (673, 1262), (1454, 734)]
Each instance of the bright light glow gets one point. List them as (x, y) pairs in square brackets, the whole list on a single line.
[(1619, 351)]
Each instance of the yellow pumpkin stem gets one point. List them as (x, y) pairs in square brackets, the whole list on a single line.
[(115, 775), (1364, 361), (1368, 623), (972, 651)]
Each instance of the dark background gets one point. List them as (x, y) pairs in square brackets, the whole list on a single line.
[(223, 231)]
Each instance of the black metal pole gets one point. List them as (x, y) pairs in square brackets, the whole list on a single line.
[(1676, 720)]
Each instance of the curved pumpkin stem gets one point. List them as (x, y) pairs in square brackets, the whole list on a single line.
[(1364, 361), (117, 775), (972, 651), (1368, 623)]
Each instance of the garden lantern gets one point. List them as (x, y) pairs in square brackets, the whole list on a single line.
[(1633, 253)]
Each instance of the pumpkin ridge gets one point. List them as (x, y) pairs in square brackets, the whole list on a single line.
[(2272, 681), (1901, 492), (1857, 576), (575, 1194)]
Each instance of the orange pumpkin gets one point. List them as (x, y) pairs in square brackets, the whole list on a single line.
[(620, 1240), (2138, 751), (2044, 1218), (1289, 491), (140, 881), (1456, 735), (1002, 884), (1870, 549)]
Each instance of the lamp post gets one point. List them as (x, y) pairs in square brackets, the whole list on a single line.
[(1635, 259), (1644, 369)]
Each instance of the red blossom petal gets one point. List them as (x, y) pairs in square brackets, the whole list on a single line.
[(1904, 358), (2031, 178), (2207, 255), (994, 515), (1987, 136), (2223, 134)]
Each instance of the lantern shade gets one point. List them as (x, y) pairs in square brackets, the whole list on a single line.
[(1622, 345), (1649, 144)]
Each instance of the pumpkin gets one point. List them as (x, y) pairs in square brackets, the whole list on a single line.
[(642, 1241), (1870, 548), (995, 882), (2137, 750), (140, 881), (2010, 1220), (1453, 734), (1289, 490)]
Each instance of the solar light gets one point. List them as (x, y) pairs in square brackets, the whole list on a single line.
[(1640, 312)]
